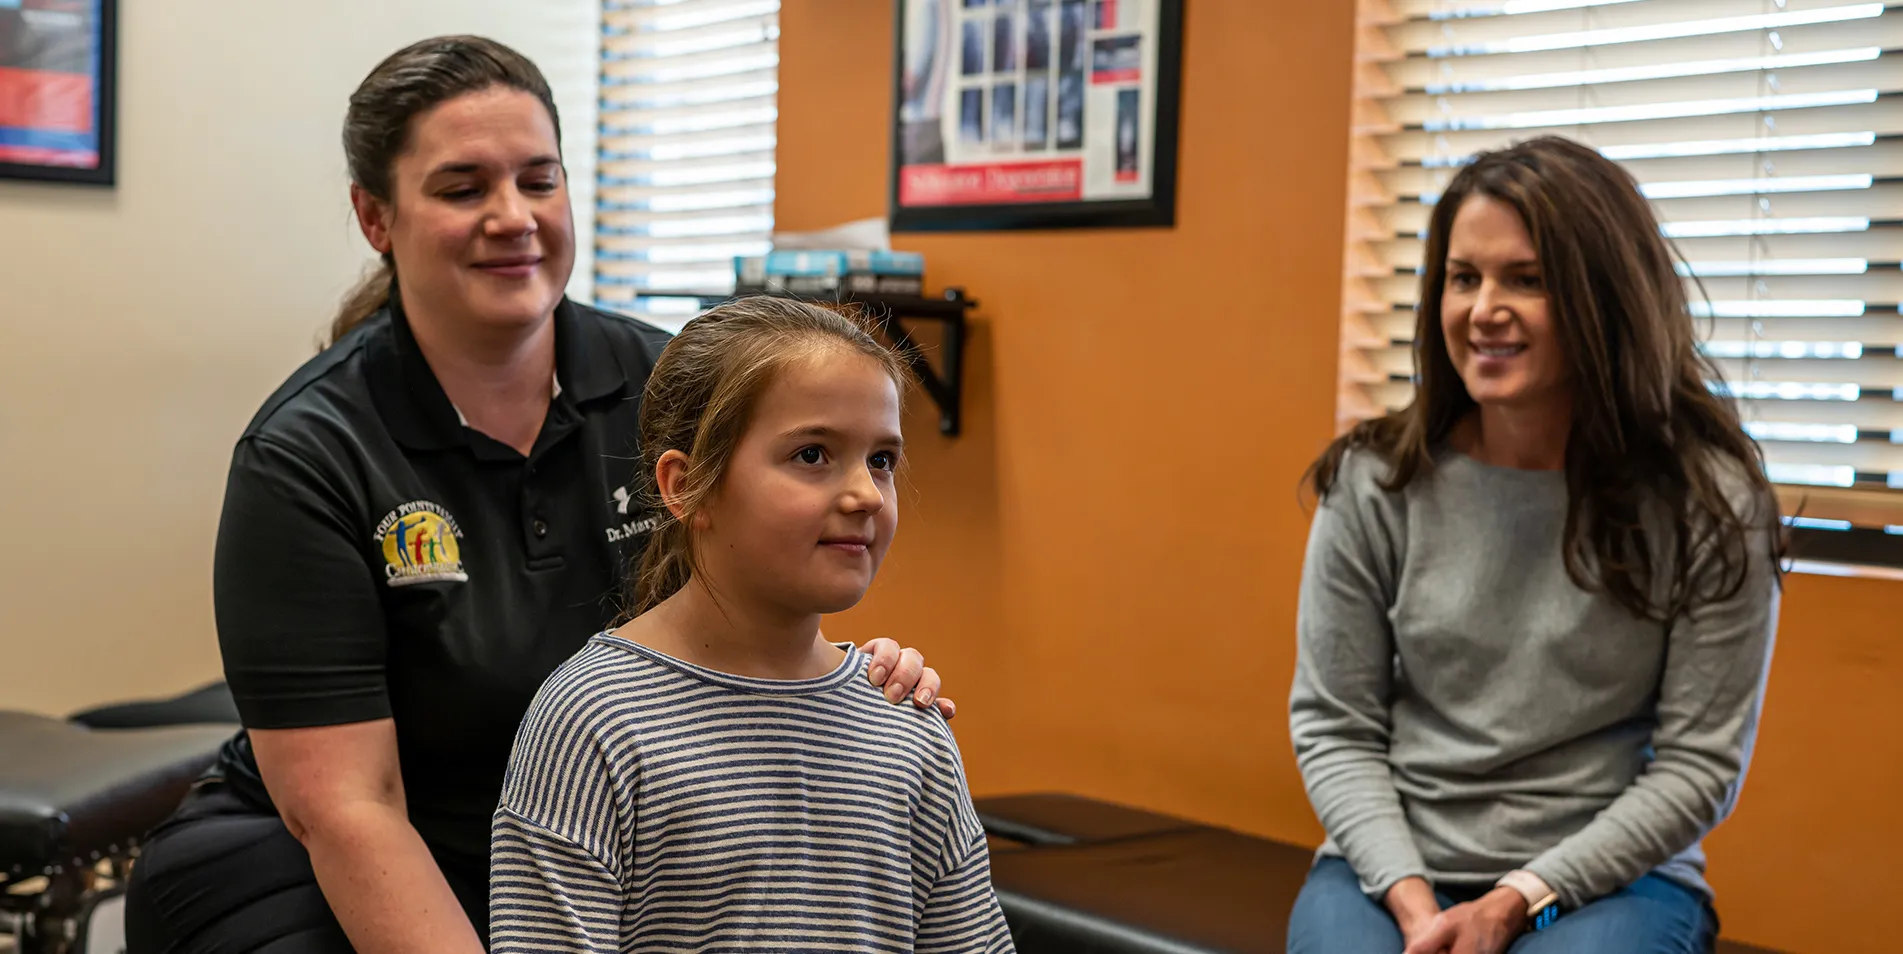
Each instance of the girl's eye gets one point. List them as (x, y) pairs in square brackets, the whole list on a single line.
[(811, 455), (1529, 281), (1463, 280), (885, 460), (541, 187), (457, 195)]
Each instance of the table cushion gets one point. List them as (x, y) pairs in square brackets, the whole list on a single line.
[(210, 703), (1058, 819), (1077, 875), (1194, 889), (69, 793)]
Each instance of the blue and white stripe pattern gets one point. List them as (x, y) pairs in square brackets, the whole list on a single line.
[(654, 805)]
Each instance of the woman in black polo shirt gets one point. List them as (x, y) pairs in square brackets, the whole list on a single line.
[(419, 526)]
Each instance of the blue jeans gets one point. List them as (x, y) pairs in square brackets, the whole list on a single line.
[(1651, 916)]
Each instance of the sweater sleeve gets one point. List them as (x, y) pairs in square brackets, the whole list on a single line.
[(547, 893), (1344, 673), (559, 845), (959, 911), (1718, 657)]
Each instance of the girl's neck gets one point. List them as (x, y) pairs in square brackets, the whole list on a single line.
[(1522, 438), (732, 636), (501, 379)]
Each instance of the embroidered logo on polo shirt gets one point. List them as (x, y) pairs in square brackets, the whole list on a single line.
[(420, 545), (632, 529), (624, 501)]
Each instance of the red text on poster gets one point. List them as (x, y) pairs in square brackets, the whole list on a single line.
[(992, 184)]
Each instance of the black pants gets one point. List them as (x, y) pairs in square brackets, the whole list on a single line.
[(220, 877)]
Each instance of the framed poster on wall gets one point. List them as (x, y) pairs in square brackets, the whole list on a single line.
[(1035, 114), (57, 82)]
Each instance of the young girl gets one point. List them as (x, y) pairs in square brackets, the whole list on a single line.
[(714, 774)]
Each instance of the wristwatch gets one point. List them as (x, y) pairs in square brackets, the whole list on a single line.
[(1542, 902)]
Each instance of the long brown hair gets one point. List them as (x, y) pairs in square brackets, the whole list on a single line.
[(700, 399), (412, 81), (1647, 429)]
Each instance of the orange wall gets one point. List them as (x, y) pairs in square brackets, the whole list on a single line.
[(1815, 851), (1105, 564)]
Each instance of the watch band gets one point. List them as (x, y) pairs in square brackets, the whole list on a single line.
[(1542, 902)]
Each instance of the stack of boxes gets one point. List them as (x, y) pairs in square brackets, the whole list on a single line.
[(820, 273)]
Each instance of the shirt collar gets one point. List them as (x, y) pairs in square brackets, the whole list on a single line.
[(554, 392), (418, 413), (588, 363)]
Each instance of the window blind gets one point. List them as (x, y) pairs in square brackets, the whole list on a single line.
[(685, 175), (1768, 135)]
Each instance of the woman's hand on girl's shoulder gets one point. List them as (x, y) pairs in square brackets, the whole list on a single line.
[(902, 672)]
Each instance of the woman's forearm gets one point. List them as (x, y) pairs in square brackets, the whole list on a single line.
[(1709, 700), (383, 884), (1411, 900), (1340, 702)]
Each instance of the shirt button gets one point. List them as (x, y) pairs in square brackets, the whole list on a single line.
[(541, 529)]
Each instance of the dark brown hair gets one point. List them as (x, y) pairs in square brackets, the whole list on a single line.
[(1647, 429), (412, 81), (700, 399)]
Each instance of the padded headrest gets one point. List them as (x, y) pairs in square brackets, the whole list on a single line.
[(70, 794)]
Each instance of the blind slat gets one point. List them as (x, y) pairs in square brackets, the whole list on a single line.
[(686, 161), (1770, 141)]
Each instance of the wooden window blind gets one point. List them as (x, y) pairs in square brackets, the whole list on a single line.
[(686, 164), (1768, 135)]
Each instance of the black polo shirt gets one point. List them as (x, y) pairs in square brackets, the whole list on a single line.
[(378, 559)]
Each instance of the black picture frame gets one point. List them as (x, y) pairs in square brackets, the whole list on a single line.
[(1157, 211), (105, 115)]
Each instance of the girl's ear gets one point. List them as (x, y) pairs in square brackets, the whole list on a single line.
[(670, 477)]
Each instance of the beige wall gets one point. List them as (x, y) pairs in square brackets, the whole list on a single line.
[(141, 327)]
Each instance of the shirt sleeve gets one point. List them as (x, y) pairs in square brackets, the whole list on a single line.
[(961, 911), (300, 618), (547, 893), (1339, 705), (1717, 659), (561, 840)]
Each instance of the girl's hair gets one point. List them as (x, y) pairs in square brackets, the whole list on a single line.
[(414, 80), (699, 401), (1647, 428)]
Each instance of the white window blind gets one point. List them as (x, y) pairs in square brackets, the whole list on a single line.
[(685, 182), (1769, 136)]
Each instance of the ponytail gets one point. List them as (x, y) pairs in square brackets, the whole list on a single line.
[(370, 295), (666, 565)]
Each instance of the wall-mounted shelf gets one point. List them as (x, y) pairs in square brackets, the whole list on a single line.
[(945, 384)]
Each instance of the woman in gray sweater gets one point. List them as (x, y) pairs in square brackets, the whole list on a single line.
[(1538, 603)]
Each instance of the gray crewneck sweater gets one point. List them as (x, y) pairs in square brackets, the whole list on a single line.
[(1461, 708)]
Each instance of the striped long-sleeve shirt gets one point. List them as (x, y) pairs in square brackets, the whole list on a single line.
[(654, 805)]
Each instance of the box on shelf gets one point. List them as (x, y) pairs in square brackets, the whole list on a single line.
[(818, 272)]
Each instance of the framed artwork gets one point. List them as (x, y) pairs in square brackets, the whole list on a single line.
[(57, 83), (1035, 114)]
